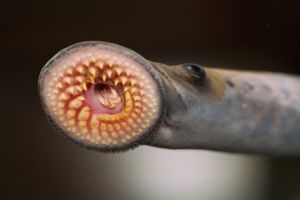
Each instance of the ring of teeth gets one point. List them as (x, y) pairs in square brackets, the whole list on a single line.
[(127, 101)]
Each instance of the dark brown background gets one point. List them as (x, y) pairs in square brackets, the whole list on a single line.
[(39, 164)]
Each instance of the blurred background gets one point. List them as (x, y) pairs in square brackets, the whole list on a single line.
[(40, 164)]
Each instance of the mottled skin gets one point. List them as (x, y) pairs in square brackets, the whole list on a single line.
[(227, 110)]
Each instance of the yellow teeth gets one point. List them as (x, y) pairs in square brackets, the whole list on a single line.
[(123, 80), (59, 85), (74, 90), (90, 80), (71, 114), (119, 71), (117, 81), (94, 122), (70, 71), (114, 114), (84, 113), (68, 80), (80, 79), (100, 64), (84, 86), (104, 77), (63, 96), (81, 70), (109, 73), (93, 72), (77, 102)]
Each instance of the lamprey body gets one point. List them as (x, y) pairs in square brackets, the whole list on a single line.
[(109, 98)]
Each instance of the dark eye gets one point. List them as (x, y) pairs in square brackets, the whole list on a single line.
[(195, 70)]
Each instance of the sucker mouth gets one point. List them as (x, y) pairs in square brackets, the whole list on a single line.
[(101, 95)]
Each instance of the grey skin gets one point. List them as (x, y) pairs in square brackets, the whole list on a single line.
[(228, 110)]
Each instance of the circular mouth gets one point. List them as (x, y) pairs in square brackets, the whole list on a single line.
[(101, 95)]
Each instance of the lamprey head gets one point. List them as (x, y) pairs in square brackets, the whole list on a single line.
[(102, 96)]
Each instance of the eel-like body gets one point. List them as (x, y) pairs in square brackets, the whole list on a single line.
[(109, 98), (230, 110)]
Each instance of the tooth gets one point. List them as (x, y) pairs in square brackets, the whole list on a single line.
[(127, 96), (63, 96), (109, 140), (138, 104), (123, 79), (137, 98), (81, 70), (61, 75), (134, 116), (84, 86), (61, 112), (103, 127), (144, 110), (134, 134), (100, 64), (93, 72), (81, 97), (90, 80), (88, 137), (73, 90), (128, 109), (130, 121), (70, 71), (119, 70), (138, 110), (134, 89), (53, 97), (84, 114), (117, 117), (61, 104), (151, 105), (133, 82), (110, 128), (56, 91), (86, 63), (79, 79), (67, 80), (95, 133), (71, 114), (127, 128), (126, 89), (110, 63), (78, 88), (109, 73), (94, 122), (105, 118), (59, 85), (72, 122), (124, 114), (114, 135), (117, 127), (116, 81), (104, 77), (82, 124), (76, 103)]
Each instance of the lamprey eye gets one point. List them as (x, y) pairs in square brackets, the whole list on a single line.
[(195, 70), (101, 95)]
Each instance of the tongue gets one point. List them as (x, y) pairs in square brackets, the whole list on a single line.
[(98, 99)]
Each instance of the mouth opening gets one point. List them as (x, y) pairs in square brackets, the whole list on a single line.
[(105, 98), (102, 95)]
